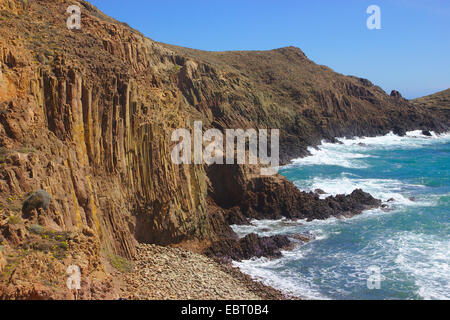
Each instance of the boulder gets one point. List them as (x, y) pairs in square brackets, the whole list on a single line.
[(319, 191), (396, 95), (36, 200), (248, 247)]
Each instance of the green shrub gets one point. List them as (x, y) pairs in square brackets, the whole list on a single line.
[(37, 229), (63, 245), (120, 263), (13, 220), (26, 150)]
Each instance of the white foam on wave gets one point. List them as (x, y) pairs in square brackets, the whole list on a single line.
[(267, 228), (315, 228), (423, 257), (384, 189), (412, 139), (329, 154), (274, 273), (351, 152), (427, 259)]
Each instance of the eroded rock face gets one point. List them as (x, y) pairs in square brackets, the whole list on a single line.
[(95, 133), (437, 104), (246, 195), (248, 247), (37, 264), (91, 122)]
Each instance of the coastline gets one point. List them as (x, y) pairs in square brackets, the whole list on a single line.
[(156, 266), (166, 273), (386, 208)]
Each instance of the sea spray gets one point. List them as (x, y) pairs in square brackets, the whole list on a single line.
[(409, 243)]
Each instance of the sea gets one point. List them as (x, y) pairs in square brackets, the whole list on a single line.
[(397, 253)]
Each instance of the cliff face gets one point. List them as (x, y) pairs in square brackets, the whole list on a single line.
[(92, 130), (87, 115), (438, 104), (283, 89)]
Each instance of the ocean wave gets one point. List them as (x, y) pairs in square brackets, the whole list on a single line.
[(384, 189), (276, 274), (408, 261), (350, 153), (267, 228), (410, 243), (331, 155), (426, 258), (412, 139)]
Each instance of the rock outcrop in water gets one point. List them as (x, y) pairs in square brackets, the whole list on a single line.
[(245, 195), (87, 116), (248, 247)]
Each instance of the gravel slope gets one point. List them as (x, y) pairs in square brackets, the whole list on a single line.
[(164, 273)]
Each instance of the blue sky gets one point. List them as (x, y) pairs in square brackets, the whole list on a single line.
[(411, 53)]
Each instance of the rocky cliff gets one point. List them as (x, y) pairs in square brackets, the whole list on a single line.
[(438, 104), (87, 116)]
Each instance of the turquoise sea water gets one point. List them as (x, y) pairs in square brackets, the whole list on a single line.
[(409, 245)]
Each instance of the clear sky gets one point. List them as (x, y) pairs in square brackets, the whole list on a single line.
[(411, 53)]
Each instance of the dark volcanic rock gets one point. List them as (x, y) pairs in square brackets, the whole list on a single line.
[(254, 246), (248, 247), (235, 216), (319, 191), (353, 204), (302, 238), (395, 94), (426, 133), (258, 197), (400, 131), (274, 204), (333, 140)]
